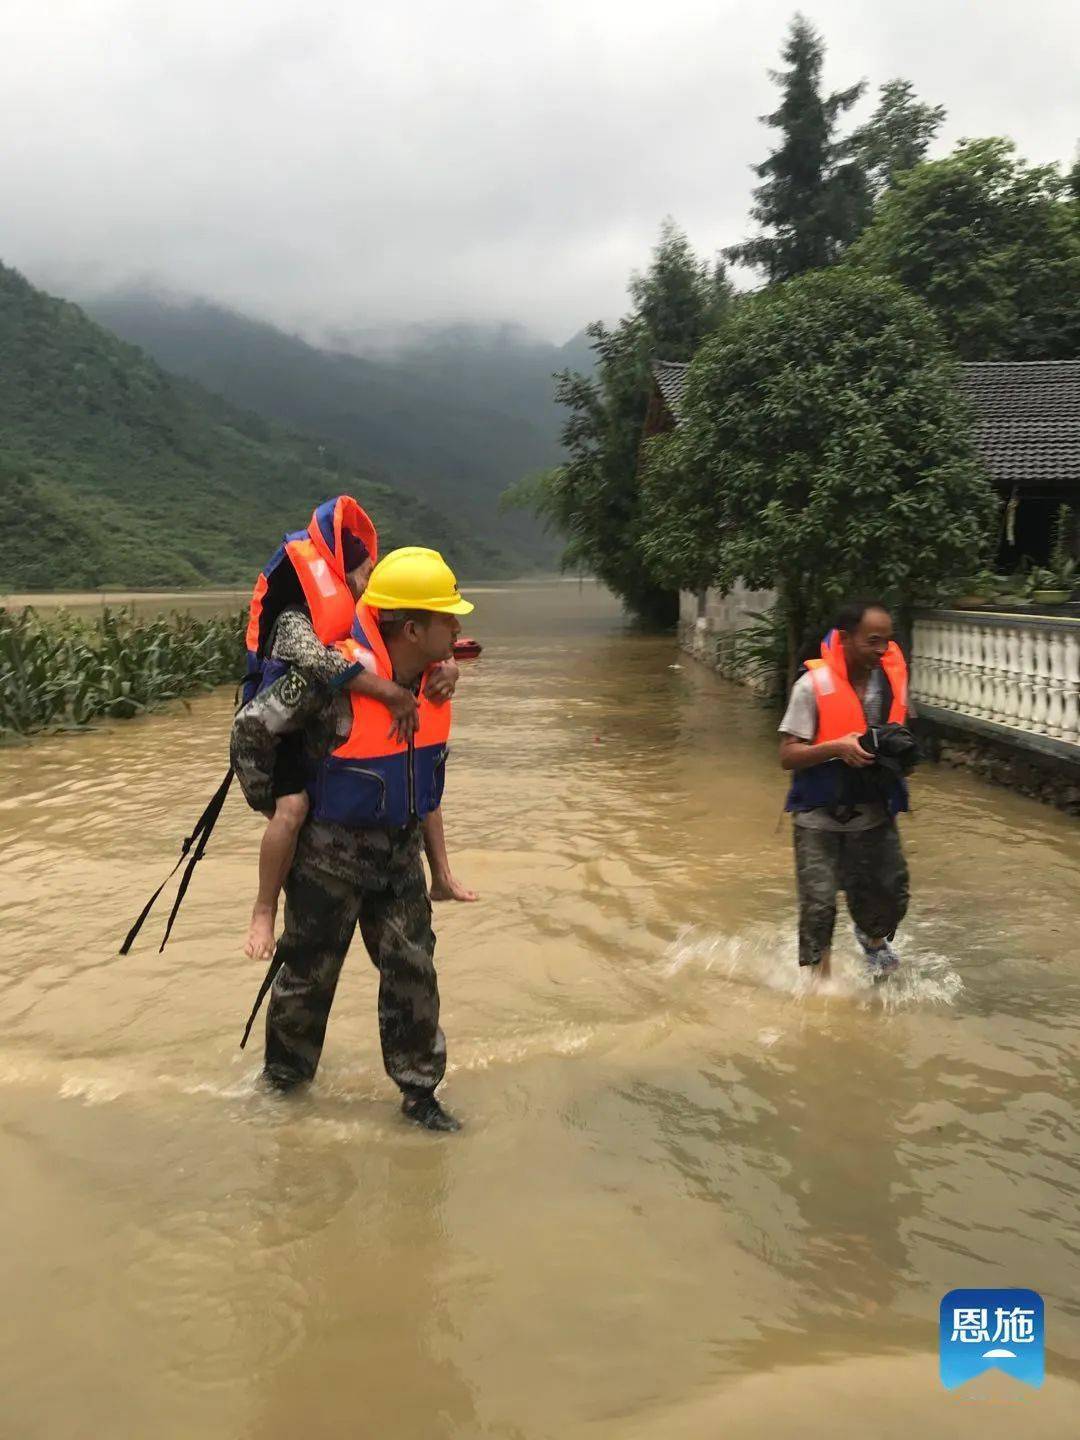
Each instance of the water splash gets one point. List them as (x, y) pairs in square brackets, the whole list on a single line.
[(765, 958), (92, 1089), (540, 1042)]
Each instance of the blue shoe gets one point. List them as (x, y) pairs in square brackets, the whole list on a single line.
[(882, 959)]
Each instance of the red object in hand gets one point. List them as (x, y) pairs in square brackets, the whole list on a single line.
[(466, 649)]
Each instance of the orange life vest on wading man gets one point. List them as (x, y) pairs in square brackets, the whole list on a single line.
[(371, 779), (318, 558), (840, 713)]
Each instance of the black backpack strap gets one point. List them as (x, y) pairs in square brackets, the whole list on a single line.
[(198, 838), (203, 829), (268, 980)]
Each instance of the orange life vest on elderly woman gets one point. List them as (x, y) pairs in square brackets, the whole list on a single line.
[(839, 708), (373, 779), (338, 535)]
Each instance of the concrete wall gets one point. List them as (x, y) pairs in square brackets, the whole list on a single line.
[(1053, 780), (707, 618)]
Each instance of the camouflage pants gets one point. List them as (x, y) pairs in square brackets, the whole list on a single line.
[(868, 865), (390, 904)]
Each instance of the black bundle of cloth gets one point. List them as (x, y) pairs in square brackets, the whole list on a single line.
[(893, 746), (896, 753)]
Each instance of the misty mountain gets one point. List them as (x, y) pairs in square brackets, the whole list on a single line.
[(578, 354), (454, 414), (113, 472), (505, 363)]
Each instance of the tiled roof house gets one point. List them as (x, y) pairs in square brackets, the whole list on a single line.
[(1027, 430), (670, 377), (1027, 419)]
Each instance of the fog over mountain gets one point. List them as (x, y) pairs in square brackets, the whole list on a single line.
[(395, 222), (341, 168), (113, 472), (452, 415)]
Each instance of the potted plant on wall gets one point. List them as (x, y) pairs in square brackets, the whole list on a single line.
[(1052, 585), (975, 590), (1012, 589)]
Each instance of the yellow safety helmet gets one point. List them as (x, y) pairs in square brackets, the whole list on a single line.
[(414, 579)]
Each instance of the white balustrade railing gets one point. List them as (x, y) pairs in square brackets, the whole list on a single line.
[(1016, 671)]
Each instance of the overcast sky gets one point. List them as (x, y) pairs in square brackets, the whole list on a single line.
[(342, 163)]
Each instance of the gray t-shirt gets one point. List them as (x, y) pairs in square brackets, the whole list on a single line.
[(801, 720)]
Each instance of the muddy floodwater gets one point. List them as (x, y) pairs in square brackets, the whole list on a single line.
[(691, 1200)]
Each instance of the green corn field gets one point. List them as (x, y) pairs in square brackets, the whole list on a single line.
[(64, 671)]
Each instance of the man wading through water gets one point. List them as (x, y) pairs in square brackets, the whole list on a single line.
[(358, 854), (843, 801)]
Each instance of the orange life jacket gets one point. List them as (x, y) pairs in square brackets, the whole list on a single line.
[(839, 708), (840, 713), (317, 557), (373, 779)]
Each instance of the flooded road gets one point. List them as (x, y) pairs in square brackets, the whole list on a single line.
[(690, 1200)]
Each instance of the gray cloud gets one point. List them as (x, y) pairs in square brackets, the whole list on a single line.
[(351, 164)]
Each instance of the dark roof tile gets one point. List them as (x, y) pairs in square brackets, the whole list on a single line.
[(670, 376), (1027, 419), (1027, 416)]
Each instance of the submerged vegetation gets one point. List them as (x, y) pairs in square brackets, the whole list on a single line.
[(61, 671)]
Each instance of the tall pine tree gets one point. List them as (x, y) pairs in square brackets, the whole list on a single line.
[(813, 199), (896, 136)]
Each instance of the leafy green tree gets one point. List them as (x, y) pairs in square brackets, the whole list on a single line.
[(680, 299), (594, 499), (993, 247), (824, 452), (896, 136), (813, 198)]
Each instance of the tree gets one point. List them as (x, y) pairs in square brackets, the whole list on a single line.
[(993, 247), (813, 198), (680, 299), (594, 499), (824, 452), (896, 136)]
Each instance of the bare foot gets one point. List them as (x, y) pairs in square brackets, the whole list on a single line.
[(821, 973), (260, 943), (447, 888)]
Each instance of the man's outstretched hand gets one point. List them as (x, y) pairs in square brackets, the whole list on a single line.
[(445, 887)]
